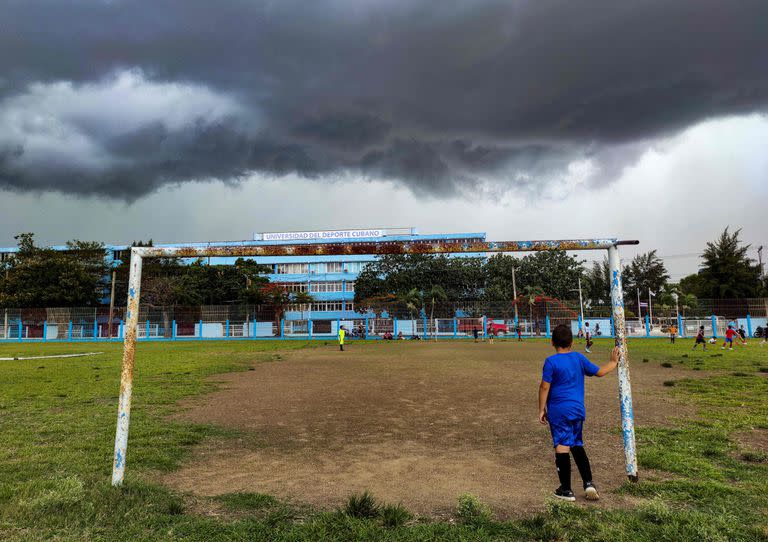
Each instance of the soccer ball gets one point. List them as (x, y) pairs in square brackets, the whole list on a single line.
[(712, 340)]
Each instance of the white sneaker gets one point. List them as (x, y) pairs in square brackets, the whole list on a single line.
[(591, 493), (587, 350)]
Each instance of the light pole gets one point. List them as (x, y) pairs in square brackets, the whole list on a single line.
[(581, 301), (111, 305), (514, 294), (650, 307)]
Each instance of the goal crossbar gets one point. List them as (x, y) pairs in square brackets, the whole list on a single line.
[(246, 249)]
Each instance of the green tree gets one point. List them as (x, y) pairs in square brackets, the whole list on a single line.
[(411, 300), (555, 272), (597, 284), (436, 294), (43, 277), (645, 272), (727, 271), (693, 284), (499, 293), (169, 281), (397, 274), (530, 295), (276, 295)]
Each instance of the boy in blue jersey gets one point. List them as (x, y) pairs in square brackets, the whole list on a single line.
[(561, 404)]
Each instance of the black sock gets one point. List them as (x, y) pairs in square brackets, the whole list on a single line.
[(582, 463), (563, 464)]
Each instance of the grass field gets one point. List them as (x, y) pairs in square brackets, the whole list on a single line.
[(299, 412)]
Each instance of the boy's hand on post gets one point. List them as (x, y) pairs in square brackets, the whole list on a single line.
[(611, 365), (615, 354)]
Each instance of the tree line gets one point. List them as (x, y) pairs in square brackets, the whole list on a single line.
[(79, 276), (424, 282)]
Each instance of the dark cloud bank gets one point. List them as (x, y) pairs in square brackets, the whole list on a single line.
[(118, 98)]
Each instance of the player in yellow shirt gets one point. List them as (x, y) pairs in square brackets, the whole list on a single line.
[(342, 333)]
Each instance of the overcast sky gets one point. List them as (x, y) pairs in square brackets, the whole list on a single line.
[(198, 120)]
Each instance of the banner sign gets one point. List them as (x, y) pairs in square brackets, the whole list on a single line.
[(328, 235)]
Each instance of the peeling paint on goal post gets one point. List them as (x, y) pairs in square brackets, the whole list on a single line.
[(126, 374), (374, 248), (625, 388)]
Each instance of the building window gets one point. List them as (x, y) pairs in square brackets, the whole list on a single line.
[(325, 306), (292, 268), (118, 255), (351, 286), (295, 287), (354, 267), (327, 267), (322, 287), (349, 306), (298, 307), (5, 256)]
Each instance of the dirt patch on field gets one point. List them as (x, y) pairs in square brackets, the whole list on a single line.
[(412, 422)]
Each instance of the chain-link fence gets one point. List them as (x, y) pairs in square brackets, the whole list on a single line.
[(455, 320)]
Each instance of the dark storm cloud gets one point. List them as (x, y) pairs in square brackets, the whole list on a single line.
[(433, 95)]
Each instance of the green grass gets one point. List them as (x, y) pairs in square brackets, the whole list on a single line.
[(57, 421)]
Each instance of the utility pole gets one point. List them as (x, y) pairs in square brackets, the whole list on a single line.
[(760, 259), (650, 309), (111, 305), (581, 303), (5, 324), (639, 308), (514, 293)]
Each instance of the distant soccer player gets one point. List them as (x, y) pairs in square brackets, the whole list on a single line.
[(475, 333), (342, 334), (729, 335), (519, 331), (742, 335), (561, 404), (672, 333), (700, 339), (588, 337)]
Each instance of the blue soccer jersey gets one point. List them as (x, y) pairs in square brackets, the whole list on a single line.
[(565, 374)]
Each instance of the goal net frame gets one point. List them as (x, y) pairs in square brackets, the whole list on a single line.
[(245, 249)]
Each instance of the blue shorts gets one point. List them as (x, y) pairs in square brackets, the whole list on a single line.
[(729, 341), (566, 432)]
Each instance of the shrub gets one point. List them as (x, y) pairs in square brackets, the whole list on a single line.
[(667, 364), (361, 505), (395, 515), (669, 383), (471, 511)]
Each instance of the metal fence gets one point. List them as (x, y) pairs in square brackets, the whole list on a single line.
[(257, 322)]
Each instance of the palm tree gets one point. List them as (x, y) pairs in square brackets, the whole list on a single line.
[(688, 302), (531, 293), (411, 300), (276, 295), (436, 293)]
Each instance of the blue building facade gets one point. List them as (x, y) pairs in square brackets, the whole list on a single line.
[(330, 280)]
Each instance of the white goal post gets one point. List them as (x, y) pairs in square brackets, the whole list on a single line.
[(245, 249)]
